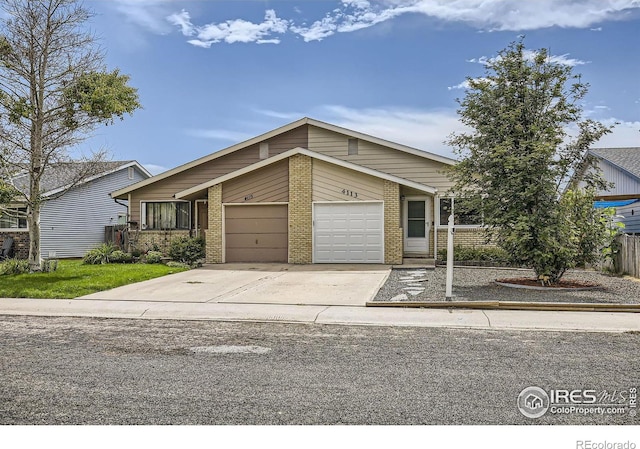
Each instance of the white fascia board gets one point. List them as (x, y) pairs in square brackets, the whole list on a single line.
[(312, 154)]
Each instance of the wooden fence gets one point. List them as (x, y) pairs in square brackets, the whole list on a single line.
[(118, 236), (628, 257)]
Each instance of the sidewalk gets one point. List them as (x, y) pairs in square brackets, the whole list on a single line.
[(340, 315)]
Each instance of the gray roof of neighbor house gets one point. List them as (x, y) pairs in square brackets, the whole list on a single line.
[(627, 159), (59, 176)]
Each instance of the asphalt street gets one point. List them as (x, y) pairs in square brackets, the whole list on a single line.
[(111, 371)]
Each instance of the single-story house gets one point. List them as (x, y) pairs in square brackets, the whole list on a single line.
[(307, 192), (72, 220), (621, 167)]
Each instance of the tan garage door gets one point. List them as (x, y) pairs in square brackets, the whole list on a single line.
[(256, 233)]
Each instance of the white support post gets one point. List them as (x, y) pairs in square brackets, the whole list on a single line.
[(449, 281)]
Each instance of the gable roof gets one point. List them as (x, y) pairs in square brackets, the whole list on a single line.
[(276, 132), (626, 159), (58, 177), (313, 154)]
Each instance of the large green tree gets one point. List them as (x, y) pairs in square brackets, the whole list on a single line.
[(54, 91), (524, 163)]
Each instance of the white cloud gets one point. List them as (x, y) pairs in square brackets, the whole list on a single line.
[(353, 15), (425, 129), (231, 31), (147, 14), (462, 85), (219, 134), (529, 55), (183, 20), (624, 134), (155, 169)]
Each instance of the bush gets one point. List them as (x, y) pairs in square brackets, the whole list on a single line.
[(120, 257), (174, 264), (476, 254), (14, 266), (187, 250), (100, 255), (153, 257)]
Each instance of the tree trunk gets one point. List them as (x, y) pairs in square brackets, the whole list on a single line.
[(33, 221)]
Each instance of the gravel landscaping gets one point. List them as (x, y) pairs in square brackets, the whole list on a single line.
[(477, 284)]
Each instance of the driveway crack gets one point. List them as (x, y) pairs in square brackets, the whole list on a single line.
[(318, 314), (487, 317)]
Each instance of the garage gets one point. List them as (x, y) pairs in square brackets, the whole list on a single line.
[(256, 233), (348, 232)]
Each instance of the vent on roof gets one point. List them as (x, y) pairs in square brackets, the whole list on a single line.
[(264, 150), (353, 147)]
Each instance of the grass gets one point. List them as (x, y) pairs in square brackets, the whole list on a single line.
[(73, 279)]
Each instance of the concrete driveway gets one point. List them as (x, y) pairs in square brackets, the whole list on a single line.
[(330, 285)]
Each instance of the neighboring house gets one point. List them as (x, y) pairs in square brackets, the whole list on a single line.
[(307, 192), (74, 222), (621, 167)]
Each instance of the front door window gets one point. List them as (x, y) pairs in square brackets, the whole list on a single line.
[(416, 225)]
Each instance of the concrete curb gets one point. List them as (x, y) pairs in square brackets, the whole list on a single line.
[(512, 320), (511, 305)]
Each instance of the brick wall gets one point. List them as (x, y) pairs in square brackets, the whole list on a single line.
[(393, 239), (157, 240), (213, 234), (20, 243), (300, 213), (467, 237)]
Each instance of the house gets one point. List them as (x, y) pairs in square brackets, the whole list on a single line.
[(621, 167), (72, 221), (307, 192)]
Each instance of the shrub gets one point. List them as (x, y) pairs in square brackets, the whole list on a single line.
[(477, 254), (187, 250), (100, 255), (120, 257), (153, 257), (14, 266), (174, 264)]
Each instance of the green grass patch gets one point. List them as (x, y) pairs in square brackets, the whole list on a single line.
[(73, 279)]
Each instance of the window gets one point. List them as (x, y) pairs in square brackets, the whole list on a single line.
[(13, 218), (464, 214), (352, 147), (166, 215), (130, 172), (264, 150)]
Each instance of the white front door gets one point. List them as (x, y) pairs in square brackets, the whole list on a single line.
[(417, 224)]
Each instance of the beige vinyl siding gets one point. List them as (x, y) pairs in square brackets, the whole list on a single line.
[(164, 189), (381, 158), (329, 182), (269, 184)]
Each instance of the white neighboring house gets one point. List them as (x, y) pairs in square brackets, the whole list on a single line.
[(621, 167), (74, 223)]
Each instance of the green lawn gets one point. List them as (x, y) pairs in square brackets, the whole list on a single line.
[(73, 279)]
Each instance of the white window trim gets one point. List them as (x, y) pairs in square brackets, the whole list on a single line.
[(143, 213), (7, 230)]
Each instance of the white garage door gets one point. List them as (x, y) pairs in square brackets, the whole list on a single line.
[(348, 233)]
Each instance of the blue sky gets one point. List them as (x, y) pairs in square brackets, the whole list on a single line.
[(213, 73)]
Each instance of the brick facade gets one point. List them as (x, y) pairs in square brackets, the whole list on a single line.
[(213, 234), (393, 241), (467, 237), (20, 243), (300, 210), (156, 240)]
